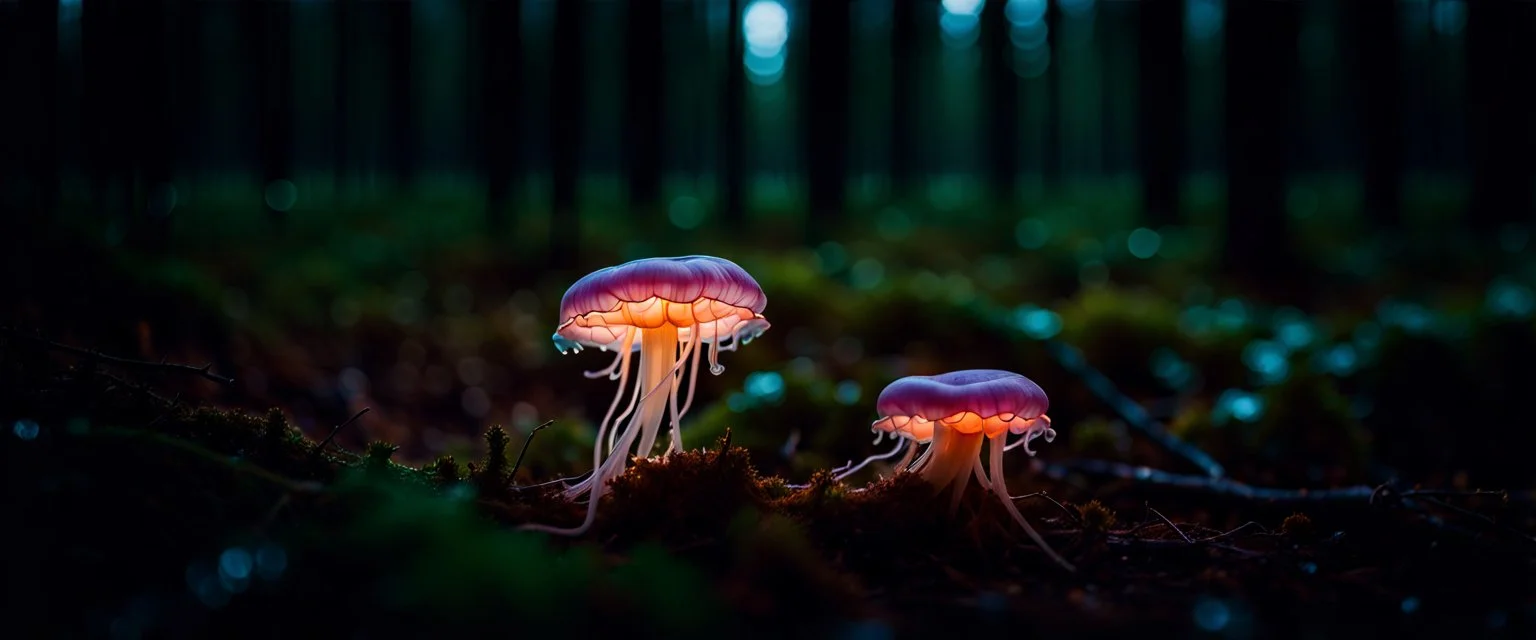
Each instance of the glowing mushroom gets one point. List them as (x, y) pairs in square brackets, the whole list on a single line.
[(954, 413), (668, 310)]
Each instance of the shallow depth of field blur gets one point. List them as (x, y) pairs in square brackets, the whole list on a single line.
[(1297, 232)]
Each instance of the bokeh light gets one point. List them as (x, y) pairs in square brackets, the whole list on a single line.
[(765, 27)]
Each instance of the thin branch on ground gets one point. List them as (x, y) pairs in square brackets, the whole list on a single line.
[(1064, 509), (337, 429), (1132, 413), (1170, 524), (205, 371), (527, 441)]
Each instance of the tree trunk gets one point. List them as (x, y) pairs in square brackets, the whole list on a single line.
[(825, 146), (1052, 169), (32, 51), (1372, 26), (733, 137), (1499, 107), (1003, 106), (1163, 93), (1260, 89), (108, 59), (643, 101), (500, 117), (903, 70), (567, 96), (341, 141), (402, 98), (271, 68)]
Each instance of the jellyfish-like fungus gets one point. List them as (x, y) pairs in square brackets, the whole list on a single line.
[(668, 310), (953, 414)]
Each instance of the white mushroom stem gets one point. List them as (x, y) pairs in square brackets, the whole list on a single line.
[(949, 463), (658, 359), (1000, 487)]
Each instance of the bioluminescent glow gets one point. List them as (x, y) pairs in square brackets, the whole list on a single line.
[(765, 27)]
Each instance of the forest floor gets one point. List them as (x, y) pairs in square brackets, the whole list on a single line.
[(144, 514)]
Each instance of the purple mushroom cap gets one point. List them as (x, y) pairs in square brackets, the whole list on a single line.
[(722, 293), (984, 392)]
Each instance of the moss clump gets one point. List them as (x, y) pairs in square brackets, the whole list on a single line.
[(1096, 518), (685, 494), (1298, 527), (445, 471), (491, 476)]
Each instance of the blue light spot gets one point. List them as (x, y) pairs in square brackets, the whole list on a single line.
[(236, 563), (26, 429), (272, 560), (1340, 359), (963, 7), (1309, 567), (1268, 359), (1212, 614), (1031, 233), (203, 581), (1238, 404), (1144, 243), (991, 602), (1450, 17), (765, 385), (847, 392), (1023, 13), (765, 27), (1202, 18), (1512, 299), (1411, 604), (1231, 314), (1037, 323), (1293, 328), (738, 402), (1170, 368)]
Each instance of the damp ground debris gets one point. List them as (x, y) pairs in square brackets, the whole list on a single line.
[(139, 514)]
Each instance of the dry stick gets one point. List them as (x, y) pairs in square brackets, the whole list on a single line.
[(1170, 524), (527, 441), (204, 371), (1041, 494), (1199, 484), (337, 429), (1133, 414)]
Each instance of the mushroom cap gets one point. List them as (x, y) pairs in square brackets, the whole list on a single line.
[(986, 401), (693, 293)]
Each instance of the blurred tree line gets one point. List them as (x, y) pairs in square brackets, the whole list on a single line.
[(540, 103)]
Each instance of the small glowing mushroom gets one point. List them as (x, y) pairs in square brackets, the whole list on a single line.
[(954, 413), (668, 310)]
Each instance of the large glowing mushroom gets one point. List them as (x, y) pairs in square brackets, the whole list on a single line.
[(668, 310), (954, 413)]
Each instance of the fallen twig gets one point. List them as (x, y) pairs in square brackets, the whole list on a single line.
[(204, 371), (337, 429), (1170, 524), (1128, 410), (524, 451)]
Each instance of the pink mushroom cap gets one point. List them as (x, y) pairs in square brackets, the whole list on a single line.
[(986, 401), (704, 293)]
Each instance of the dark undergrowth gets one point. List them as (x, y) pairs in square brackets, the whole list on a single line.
[(138, 515)]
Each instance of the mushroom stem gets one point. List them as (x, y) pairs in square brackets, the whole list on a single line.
[(949, 467), (658, 358), (1000, 487)]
